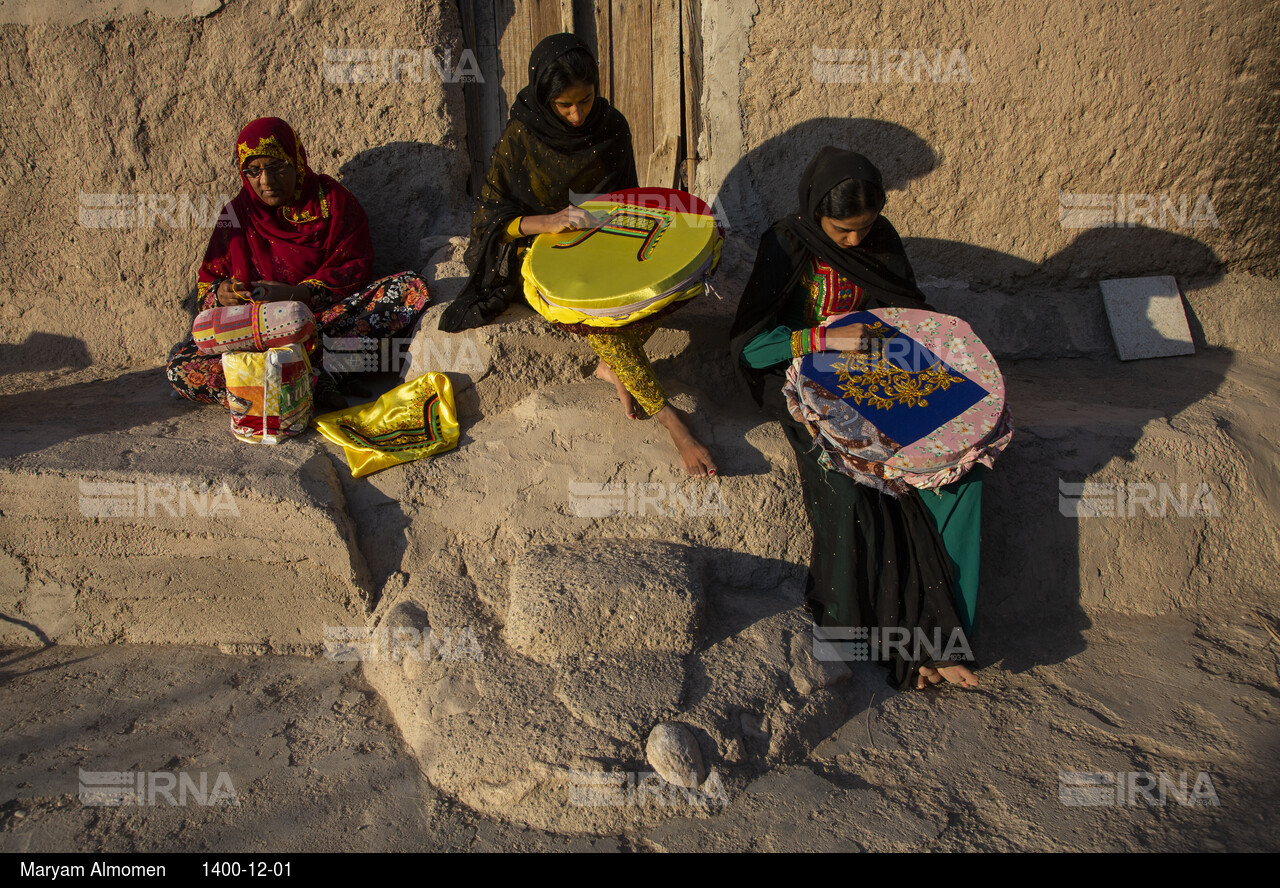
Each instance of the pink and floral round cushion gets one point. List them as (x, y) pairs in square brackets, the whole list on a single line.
[(919, 409), (252, 326)]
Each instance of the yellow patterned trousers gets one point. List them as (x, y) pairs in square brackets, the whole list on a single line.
[(624, 353)]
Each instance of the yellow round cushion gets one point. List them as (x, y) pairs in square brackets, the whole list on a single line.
[(652, 247)]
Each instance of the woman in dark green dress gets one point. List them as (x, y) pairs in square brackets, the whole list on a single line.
[(904, 563)]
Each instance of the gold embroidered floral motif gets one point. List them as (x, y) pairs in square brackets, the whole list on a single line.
[(268, 146), (869, 377), (298, 216)]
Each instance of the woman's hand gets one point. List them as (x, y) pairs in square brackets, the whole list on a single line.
[(571, 218), (851, 337), (232, 293), (278, 292)]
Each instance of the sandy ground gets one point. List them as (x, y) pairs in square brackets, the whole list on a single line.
[(317, 765), (140, 106), (1171, 716)]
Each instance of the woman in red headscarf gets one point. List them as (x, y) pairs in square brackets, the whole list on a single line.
[(292, 234)]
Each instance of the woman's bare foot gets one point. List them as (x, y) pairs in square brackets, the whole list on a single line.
[(697, 459), (605, 372), (957, 675)]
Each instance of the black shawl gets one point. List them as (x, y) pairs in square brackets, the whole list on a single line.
[(877, 560), (878, 265), (539, 166)]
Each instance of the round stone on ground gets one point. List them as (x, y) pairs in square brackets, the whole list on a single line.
[(674, 754)]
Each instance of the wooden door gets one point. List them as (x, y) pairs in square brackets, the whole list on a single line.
[(650, 68)]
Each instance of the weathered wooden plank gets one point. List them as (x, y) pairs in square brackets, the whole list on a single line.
[(548, 17), (604, 46), (471, 103), (691, 54), (663, 163), (493, 117), (666, 67), (633, 73), (582, 13), (515, 44)]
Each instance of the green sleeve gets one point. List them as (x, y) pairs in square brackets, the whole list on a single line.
[(770, 348), (780, 345)]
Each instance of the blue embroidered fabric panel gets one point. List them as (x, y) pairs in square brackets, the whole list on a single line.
[(900, 386)]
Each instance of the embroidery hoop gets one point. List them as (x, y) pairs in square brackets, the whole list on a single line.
[(653, 248)]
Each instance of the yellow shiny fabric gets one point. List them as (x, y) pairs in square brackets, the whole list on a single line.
[(411, 421), (561, 315), (598, 278)]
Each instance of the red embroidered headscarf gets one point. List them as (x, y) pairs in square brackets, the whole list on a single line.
[(321, 236)]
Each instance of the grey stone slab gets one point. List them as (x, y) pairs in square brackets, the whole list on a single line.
[(1147, 318), (604, 596), (623, 695)]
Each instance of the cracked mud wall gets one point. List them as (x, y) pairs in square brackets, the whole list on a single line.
[(989, 121), (144, 100), (982, 118)]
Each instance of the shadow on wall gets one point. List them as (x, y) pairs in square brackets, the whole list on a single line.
[(1095, 254), (44, 352), (761, 187), (409, 190), (43, 418), (380, 522), (1031, 565)]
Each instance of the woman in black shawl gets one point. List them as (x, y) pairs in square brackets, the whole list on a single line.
[(562, 140), (878, 560)]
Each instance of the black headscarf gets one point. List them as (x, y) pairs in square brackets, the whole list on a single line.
[(877, 560), (878, 265), (539, 164), (542, 120)]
